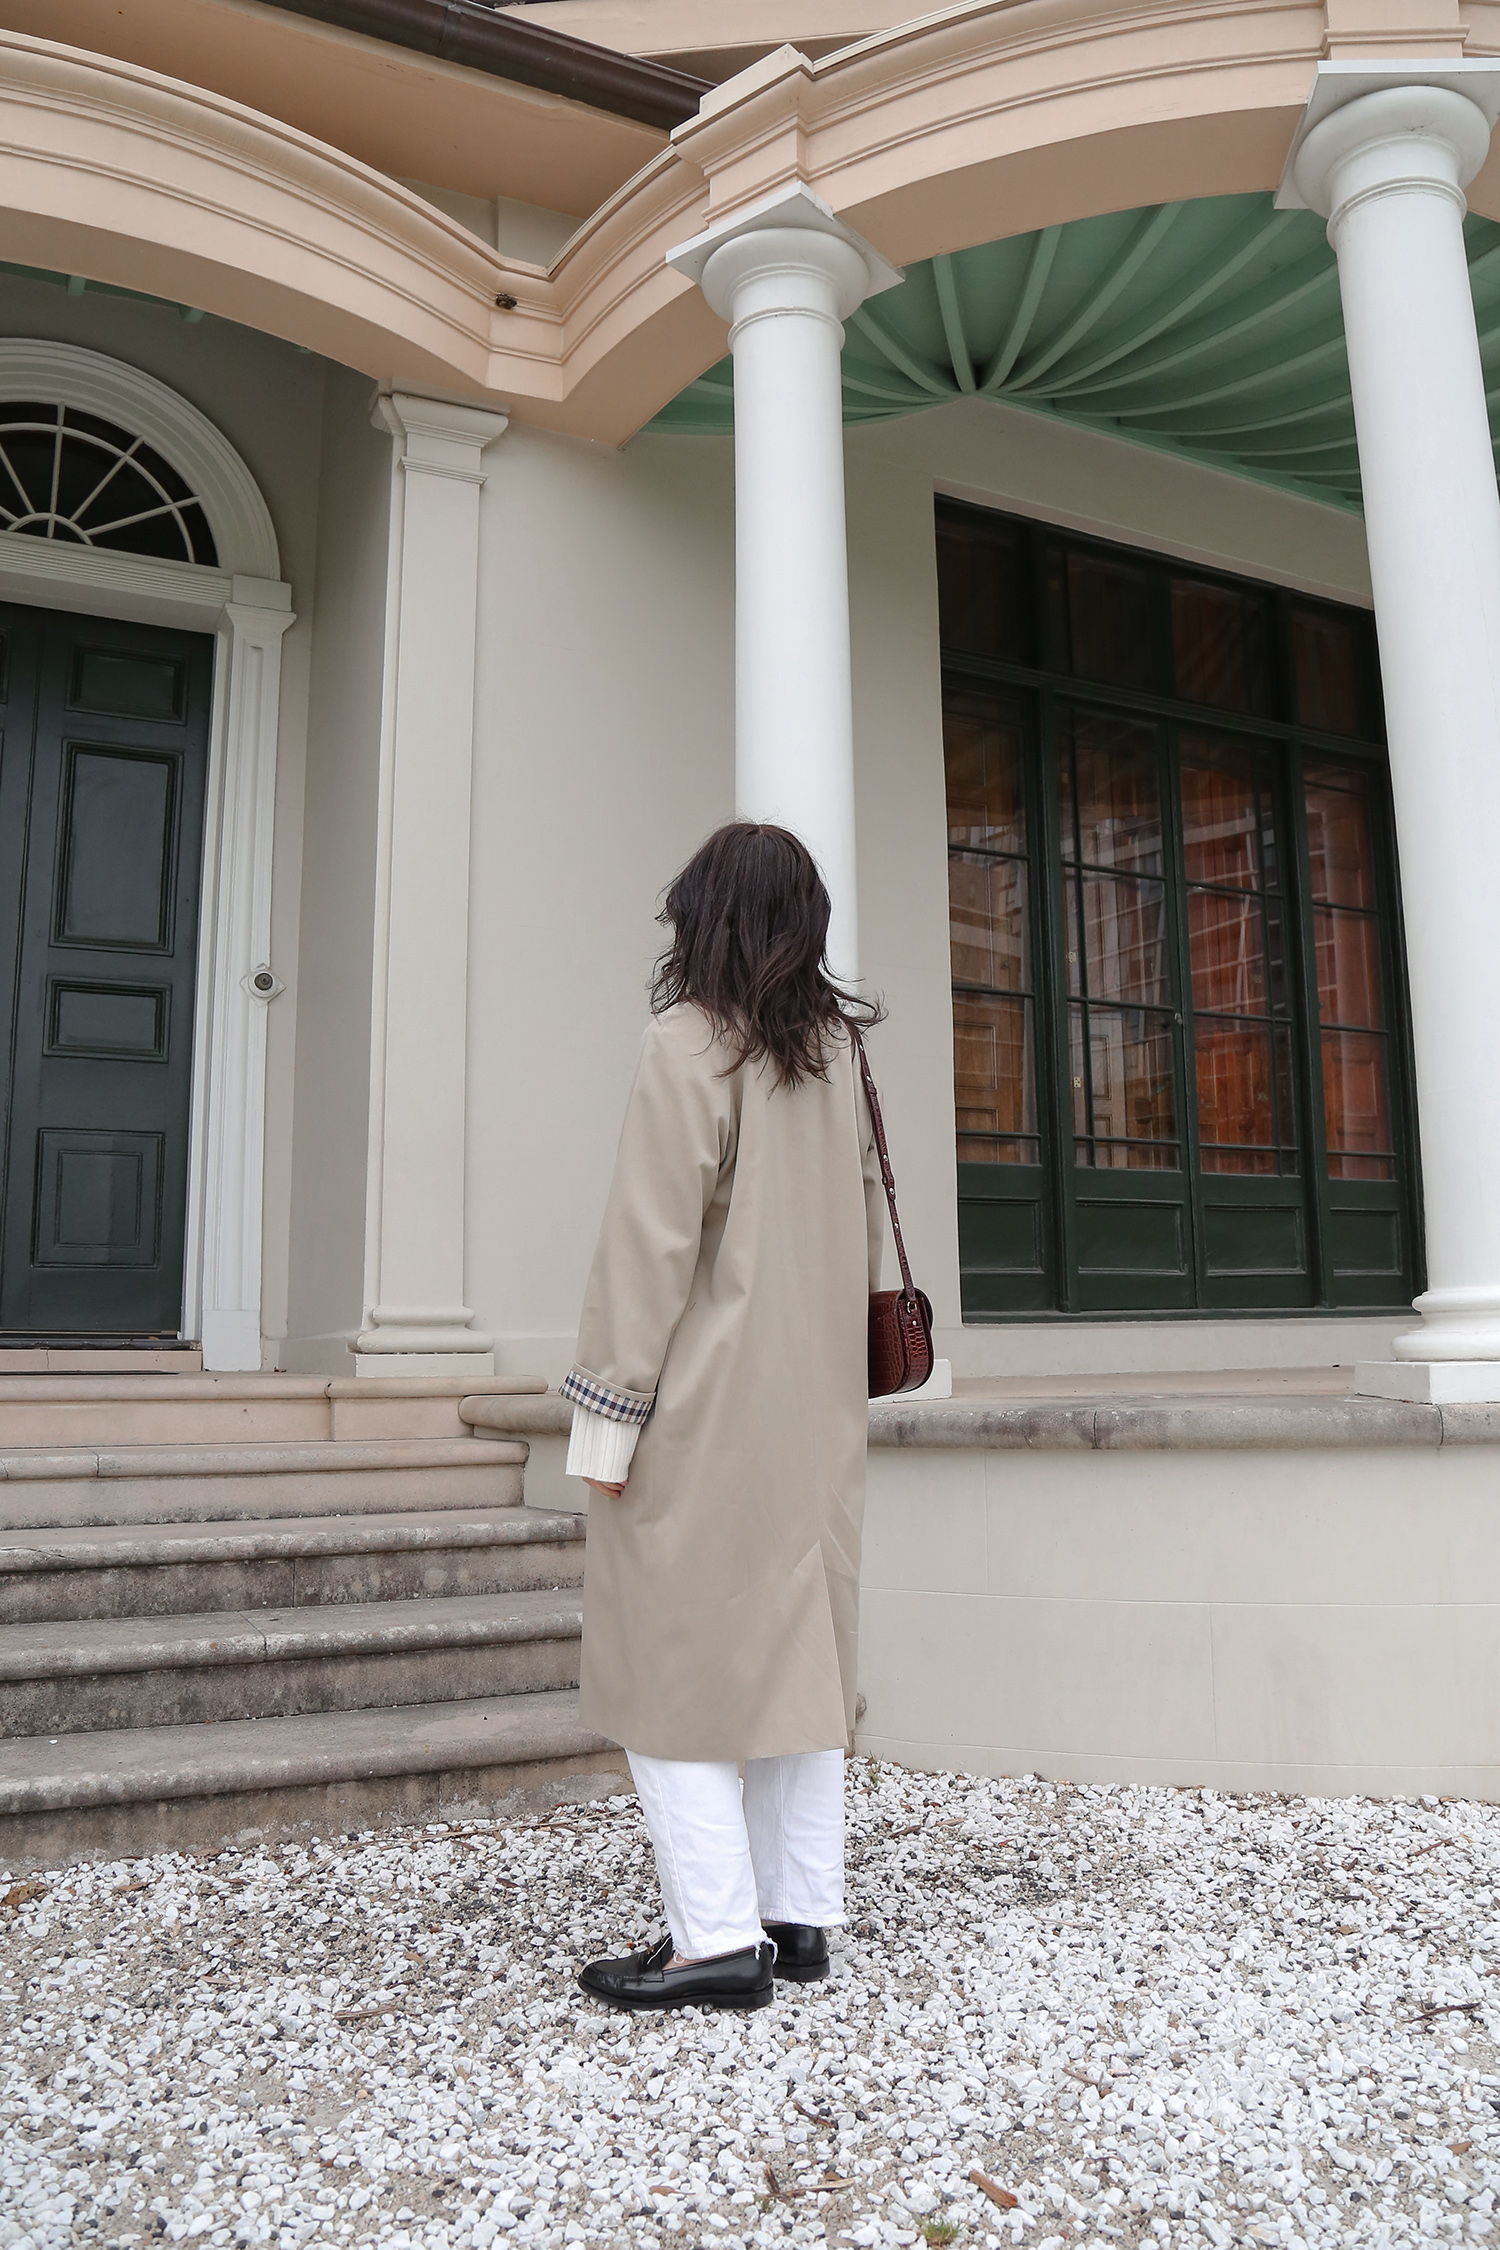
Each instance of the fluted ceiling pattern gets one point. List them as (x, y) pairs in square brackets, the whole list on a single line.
[(1211, 328)]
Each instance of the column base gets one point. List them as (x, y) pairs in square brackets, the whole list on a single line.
[(459, 1367), (1430, 1382), (231, 1341), (431, 1340)]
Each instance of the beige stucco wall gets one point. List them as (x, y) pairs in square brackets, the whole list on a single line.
[(1323, 1620), (266, 397), (604, 752)]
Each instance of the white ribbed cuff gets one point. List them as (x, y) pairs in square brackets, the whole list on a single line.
[(600, 1449)]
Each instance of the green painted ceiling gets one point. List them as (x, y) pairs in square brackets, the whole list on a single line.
[(1210, 328)]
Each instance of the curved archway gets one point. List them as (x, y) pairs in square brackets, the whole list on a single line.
[(65, 375)]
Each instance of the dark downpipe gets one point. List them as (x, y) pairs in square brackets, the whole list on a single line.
[(480, 38)]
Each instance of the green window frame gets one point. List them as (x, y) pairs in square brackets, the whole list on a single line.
[(1182, 1057)]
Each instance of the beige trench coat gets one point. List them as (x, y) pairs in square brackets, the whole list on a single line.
[(742, 1236)]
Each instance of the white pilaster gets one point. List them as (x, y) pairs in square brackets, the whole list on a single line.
[(785, 276), (244, 817), (417, 1321), (1387, 161)]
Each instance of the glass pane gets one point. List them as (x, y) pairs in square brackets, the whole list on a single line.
[(1234, 1067), (994, 1082), (1125, 939), (1226, 946), (1115, 774), (1109, 620), (1073, 944), (984, 596), (1221, 644), (1348, 949), (1327, 651), (1133, 1082), (1134, 1156), (1338, 836), (1356, 1106), (988, 922), (1222, 814), (1239, 1161), (982, 750)]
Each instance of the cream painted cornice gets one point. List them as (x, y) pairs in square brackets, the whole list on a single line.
[(413, 116), (993, 118)]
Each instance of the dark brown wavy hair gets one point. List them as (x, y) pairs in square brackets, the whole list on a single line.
[(749, 922)]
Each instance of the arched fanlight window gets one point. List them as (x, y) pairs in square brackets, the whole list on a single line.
[(73, 476)]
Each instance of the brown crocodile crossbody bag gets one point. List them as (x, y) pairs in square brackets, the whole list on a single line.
[(900, 1319)]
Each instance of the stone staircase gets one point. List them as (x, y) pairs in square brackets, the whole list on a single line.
[(241, 1605)]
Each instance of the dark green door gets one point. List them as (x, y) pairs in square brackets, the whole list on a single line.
[(103, 764)]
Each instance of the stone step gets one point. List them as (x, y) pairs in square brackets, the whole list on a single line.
[(90, 1674), (41, 1489), (162, 1570), (181, 1788), (120, 1409)]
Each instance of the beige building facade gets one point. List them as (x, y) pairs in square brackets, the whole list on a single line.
[(451, 458)]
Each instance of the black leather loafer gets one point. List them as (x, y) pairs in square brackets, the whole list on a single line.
[(647, 1980), (801, 1951)]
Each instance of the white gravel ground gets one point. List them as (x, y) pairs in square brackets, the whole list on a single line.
[(1149, 2015)]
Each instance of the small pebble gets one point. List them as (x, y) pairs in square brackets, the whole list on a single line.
[(1149, 2016)]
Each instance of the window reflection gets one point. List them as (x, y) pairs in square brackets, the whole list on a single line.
[(994, 1042), (994, 1080), (1327, 660), (1236, 929), (1123, 1067), (1351, 1001), (1109, 622), (1221, 645)]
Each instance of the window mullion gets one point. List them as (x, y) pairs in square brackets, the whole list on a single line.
[(1174, 869), (1051, 1004)]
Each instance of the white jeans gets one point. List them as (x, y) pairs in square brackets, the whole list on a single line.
[(729, 1858)]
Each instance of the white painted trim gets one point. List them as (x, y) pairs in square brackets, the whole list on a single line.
[(415, 1318), (233, 1149), (247, 608)]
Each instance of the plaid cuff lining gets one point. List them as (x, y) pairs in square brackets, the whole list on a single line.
[(583, 1389)]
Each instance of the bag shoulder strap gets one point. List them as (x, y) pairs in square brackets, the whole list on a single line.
[(887, 1176)]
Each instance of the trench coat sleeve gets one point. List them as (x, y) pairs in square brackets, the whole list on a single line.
[(678, 1135)]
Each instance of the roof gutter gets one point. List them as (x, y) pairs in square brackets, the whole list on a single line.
[(476, 35)]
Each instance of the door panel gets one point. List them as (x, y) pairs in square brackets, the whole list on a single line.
[(103, 769), (116, 851), (1131, 1232)]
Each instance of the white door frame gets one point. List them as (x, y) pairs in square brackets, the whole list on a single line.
[(246, 605)]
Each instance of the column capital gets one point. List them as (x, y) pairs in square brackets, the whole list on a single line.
[(439, 436), (1374, 128), (808, 259)]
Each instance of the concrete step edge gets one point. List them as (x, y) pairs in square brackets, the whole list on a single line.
[(196, 1387), (146, 1764), (532, 1415), (257, 1458), (139, 1546), (93, 1647)]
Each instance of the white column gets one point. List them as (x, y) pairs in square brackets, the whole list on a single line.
[(417, 1321), (785, 277), (244, 982), (1389, 167)]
